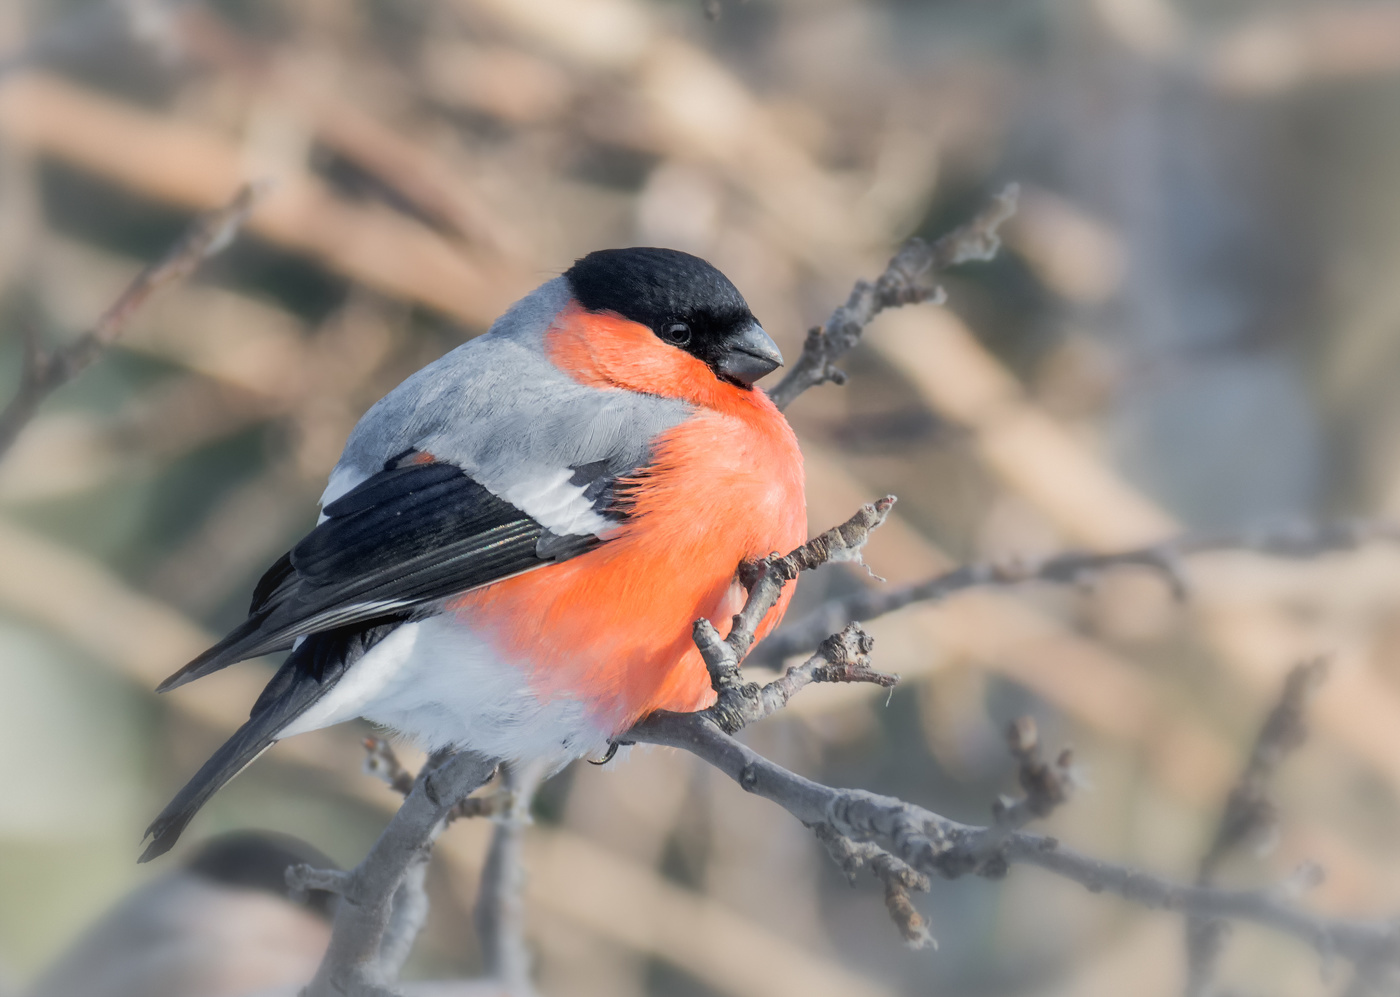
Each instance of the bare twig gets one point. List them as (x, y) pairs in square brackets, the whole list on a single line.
[(1045, 786), (1249, 813), (934, 845), (899, 879), (46, 370), (910, 278), (843, 658), (1250, 817), (383, 764), (1288, 541), (383, 904), (500, 905)]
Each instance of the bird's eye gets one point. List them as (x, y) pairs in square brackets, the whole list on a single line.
[(677, 333)]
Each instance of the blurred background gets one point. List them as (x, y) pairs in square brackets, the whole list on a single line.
[(1195, 324)]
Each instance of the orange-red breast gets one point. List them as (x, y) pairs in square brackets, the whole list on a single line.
[(518, 538)]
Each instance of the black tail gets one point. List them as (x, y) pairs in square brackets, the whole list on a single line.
[(251, 740), (308, 674)]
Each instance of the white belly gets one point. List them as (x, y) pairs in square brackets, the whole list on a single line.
[(440, 685)]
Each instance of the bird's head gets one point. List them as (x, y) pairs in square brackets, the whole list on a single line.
[(685, 303)]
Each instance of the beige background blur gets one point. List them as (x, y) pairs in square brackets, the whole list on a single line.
[(1196, 321)]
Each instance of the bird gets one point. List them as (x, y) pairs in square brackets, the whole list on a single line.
[(517, 541), (221, 924)]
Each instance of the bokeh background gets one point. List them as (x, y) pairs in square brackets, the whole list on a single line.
[(1195, 324)]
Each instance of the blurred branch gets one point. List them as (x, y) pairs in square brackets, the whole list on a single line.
[(910, 278), (1046, 785), (46, 370), (79, 33), (414, 176), (1249, 813), (1250, 816), (383, 904), (418, 988), (1283, 49), (1073, 568), (369, 244), (500, 906)]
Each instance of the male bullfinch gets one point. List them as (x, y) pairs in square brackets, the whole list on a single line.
[(517, 540)]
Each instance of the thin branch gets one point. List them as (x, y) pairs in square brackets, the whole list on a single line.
[(1288, 541), (382, 763), (1045, 785), (910, 278), (899, 879), (1249, 813), (410, 901), (842, 658), (934, 845), (500, 905), (45, 371), (1250, 817)]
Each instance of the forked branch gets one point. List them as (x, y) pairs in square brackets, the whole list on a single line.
[(905, 845), (382, 901), (910, 278), (46, 370)]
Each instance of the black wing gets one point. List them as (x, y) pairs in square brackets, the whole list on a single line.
[(409, 536)]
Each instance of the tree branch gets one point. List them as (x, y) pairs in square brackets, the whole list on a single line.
[(1288, 541), (899, 879), (382, 901), (46, 370), (910, 278), (841, 658), (902, 842), (1249, 815), (934, 845), (500, 905), (1046, 786)]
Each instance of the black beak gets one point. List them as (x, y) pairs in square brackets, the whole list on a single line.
[(748, 355)]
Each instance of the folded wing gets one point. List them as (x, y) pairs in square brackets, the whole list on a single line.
[(397, 544)]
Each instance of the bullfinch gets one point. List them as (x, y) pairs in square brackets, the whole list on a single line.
[(221, 925), (518, 538)]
